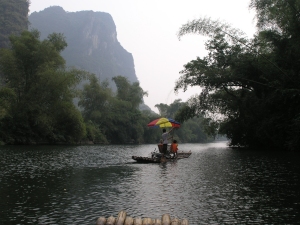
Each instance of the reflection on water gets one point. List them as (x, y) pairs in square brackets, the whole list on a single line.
[(216, 185)]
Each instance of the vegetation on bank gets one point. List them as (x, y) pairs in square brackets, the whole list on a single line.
[(37, 92), (250, 87), (38, 95)]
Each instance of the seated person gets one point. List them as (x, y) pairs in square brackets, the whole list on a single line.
[(160, 146), (174, 148)]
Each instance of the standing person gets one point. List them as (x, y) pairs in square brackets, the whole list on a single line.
[(165, 136)]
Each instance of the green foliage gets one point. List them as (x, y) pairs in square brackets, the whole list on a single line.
[(277, 15), (131, 93), (7, 95), (193, 130), (116, 119), (42, 90), (250, 88), (94, 134), (37, 92), (13, 19)]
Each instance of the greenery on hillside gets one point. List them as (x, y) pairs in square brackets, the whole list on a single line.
[(113, 118), (37, 93), (251, 88), (37, 99), (13, 19)]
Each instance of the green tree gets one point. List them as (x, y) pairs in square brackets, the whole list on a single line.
[(250, 87), (13, 19), (125, 114), (94, 101), (169, 111), (42, 90), (131, 93), (162, 109), (115, 118), (192, 129)]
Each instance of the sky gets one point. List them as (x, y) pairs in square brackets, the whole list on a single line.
[(148, 30)]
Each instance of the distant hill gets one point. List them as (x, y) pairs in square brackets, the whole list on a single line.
[(92, 41), (13, 19)]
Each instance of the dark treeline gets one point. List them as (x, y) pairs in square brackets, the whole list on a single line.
[(40, 99), (38, 95), (251, 88)]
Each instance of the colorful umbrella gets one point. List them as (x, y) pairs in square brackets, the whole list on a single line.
[(164, 123)]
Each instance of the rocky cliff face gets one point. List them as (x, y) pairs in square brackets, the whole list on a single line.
[(92, 41)]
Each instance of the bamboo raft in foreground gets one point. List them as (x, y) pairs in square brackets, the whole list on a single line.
[(123, 219)]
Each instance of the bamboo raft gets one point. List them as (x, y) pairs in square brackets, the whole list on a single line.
[(123, 219), (180, 155)]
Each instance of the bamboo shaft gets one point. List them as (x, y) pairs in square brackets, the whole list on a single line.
[(123, 219)]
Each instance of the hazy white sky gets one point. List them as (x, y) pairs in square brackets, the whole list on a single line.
[(148, 28)]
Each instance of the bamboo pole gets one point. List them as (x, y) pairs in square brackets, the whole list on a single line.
[(123, 219), (184, 222), (147, 221), (166, 219), (175, 221), (156, 222), (111, 220), (138, 221), (101, 221), (128, 221)]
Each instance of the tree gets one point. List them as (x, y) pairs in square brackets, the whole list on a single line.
[(42, 90), (131, 93), (169, 111), (193, 129), (250, 87), (94, 101), (279, 26), (125, 114), (115, 118)]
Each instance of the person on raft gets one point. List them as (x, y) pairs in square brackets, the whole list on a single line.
[(160, 146), (174, 148), (165, 136)]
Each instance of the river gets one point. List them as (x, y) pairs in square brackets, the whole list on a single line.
[(216, 185)]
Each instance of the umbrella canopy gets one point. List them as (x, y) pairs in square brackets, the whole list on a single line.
[(164, 123)]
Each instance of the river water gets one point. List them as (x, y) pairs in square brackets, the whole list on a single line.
[(216, 185)]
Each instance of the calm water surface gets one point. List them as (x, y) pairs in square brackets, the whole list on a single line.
[(216, 185)]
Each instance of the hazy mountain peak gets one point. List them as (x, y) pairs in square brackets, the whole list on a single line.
[(92, 41)]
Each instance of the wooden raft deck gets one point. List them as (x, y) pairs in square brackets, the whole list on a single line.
[(180, 155), (123, 219)]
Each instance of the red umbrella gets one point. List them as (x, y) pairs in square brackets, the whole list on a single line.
[(163, 123)]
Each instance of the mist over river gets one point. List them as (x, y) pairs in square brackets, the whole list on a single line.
[(216, 185)]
